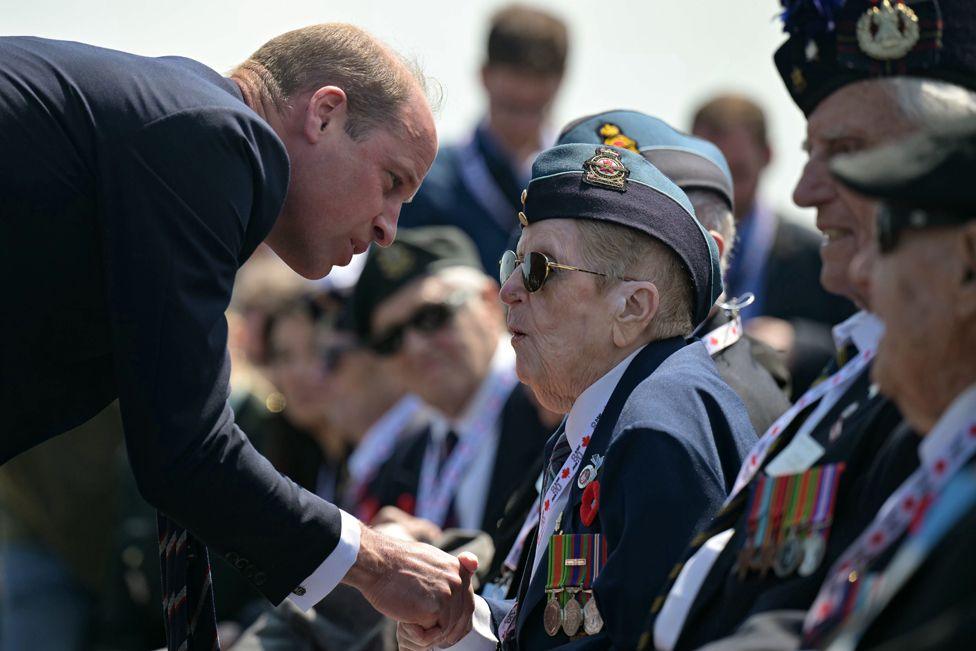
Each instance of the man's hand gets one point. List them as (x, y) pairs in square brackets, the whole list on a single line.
[(416, 584), (411, 637), (418, 528)]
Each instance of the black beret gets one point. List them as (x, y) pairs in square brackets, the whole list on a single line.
[(924, 180), (833, 43), (611, 184), (416, 252), (692, 163)]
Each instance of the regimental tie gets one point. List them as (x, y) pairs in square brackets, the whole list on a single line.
[(560, 452), (188, 605)]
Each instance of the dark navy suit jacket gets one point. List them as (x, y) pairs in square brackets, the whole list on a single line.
[(131, 190), (673, 435)]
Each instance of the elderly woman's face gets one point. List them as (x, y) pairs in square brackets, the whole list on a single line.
[(561, 333)]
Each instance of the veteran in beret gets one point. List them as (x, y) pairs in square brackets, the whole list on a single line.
[(612, 274), (843, 448), (755, 371), (911, 570)]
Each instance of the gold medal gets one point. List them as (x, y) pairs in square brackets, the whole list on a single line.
[(552, 615), (592, 620), (572, 615)]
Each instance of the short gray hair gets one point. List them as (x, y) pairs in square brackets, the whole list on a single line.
[(927, 103), (622, 252), (714, 214), (377, 81)]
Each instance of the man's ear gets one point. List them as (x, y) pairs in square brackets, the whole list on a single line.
[(719, 242), (636, 305), (966, 302), (326, 107)]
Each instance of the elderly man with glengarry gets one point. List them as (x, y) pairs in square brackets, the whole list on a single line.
[(612, 274)]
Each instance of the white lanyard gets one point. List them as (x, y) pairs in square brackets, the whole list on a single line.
[(838, 380), (437, 489), (899, 510), (723, 336)]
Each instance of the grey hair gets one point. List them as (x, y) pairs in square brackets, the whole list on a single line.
[(715, 215), (927, 103), (621, 252)]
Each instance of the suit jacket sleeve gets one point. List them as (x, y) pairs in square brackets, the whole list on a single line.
[(178, 199), (648, 518)]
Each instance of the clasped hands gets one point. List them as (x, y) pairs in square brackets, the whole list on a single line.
[(429, 591)]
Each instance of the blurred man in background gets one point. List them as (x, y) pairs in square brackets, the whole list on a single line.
[(476, 185), (773, 258)]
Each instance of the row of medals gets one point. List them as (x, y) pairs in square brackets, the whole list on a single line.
[(572, 615), (797, 552)]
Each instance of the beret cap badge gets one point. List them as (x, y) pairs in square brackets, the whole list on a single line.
[(888, 31), (395, 262), (605, 169)]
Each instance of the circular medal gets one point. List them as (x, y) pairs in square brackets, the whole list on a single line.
[(572, 617), (552, 616), (586, 475), (814, 548), (789, 557), (592, 620)]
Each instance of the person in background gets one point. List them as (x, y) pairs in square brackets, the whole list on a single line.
[(774, 259), (753, 370), (475, 185)]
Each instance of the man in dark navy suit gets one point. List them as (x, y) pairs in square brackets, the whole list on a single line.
[(612, 275), (131, 190)]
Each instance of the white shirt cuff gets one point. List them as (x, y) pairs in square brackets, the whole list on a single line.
[(481, 637), (335, 566)]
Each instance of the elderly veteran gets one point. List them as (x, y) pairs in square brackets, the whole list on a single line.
[(612, 275), (923, 279), (754, 370), (425, 305), (758, 567)]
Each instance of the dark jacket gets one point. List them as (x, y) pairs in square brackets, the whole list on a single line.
[(131, 190), (673, 435)]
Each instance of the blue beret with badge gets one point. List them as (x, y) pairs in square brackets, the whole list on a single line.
[(833, 43), (692, 163), (611, 184)]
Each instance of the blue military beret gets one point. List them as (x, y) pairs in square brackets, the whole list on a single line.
[(692, 163), (610, 184), (833, 43)]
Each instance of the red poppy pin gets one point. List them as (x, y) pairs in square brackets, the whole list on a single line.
[(591, 502)]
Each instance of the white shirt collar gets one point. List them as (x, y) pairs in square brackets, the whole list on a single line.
[(863, 329), (961, 412), (501, 375), (591, 402)]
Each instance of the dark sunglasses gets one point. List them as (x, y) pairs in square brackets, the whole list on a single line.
[(535, 269), (427, 319)]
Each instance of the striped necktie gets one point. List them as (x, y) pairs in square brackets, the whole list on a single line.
[(560, 452), (188, 604)]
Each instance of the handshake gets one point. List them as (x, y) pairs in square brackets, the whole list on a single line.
[(425, 589)]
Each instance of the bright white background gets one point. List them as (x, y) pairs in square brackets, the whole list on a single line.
[(659, 56)]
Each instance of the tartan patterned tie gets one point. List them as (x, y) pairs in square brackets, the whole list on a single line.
[(188, 604)]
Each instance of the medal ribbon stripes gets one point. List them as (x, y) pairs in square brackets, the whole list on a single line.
[(838, 595), (723, 336), (754, 459), (787, 510), (438, 489), (574, 563)]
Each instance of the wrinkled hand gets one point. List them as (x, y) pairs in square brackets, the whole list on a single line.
[(418, 528), (416, 584), (411, 637)]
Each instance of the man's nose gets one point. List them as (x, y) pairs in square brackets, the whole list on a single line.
[(385, 226), (815, 186)]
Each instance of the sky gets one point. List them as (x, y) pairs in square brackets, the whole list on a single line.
[(663, 57)]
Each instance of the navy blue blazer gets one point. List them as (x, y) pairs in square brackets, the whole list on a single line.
[(673, 436), (131, 190)]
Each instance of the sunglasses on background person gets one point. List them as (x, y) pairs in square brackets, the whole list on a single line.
[(427, 319), (535, 269)]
